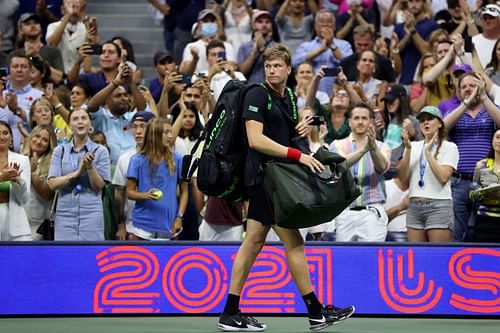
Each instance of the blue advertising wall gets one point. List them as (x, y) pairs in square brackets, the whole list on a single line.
[(177, 278)]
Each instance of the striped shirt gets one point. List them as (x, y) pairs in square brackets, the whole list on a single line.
[(473, 139), (371, 182)]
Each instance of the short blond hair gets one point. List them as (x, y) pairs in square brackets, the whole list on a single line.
[(278, 51)]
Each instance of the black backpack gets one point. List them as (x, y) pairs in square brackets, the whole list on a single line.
[(222, 163)]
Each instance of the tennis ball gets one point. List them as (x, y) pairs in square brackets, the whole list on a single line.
[(158, 194)]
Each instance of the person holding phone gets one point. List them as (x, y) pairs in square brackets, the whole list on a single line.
[(220, 70), (427, 166), (79, 170), (484, 42)]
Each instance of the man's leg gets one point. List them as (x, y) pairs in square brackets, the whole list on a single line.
[(461, 208), (319, 317), (231, 319)]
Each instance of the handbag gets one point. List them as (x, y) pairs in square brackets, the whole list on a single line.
[(46, 229), (301, 198)]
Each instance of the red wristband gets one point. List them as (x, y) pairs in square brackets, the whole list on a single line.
[(293, 154)]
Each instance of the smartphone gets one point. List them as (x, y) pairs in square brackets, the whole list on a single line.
[(49, 89), (317, 120), (93, 21), (331, 71), (96, 49), (222, 56), (186, 78), (4, 72), (468, 46)]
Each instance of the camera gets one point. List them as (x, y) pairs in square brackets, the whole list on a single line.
[(317, 120), (331, 71)]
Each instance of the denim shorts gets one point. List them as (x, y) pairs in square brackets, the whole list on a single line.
[(425, 214)]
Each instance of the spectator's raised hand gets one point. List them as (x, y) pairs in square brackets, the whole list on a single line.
[(407, 124), (327, 34), (84, 51), (171, 79), (11, 100)]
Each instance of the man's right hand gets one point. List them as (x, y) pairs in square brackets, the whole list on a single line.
[(124, 74)]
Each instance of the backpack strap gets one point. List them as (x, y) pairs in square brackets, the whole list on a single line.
[(293, 100), (269, 99)]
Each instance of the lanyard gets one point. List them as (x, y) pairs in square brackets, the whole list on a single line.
[(355, 166), (423, 164)]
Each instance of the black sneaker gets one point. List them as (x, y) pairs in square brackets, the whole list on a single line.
[(330, 315), (239, 323)]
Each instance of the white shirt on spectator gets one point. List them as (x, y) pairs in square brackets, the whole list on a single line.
[(73, 37), (120, 179), (484, 48), (394, 197), (201, 45)]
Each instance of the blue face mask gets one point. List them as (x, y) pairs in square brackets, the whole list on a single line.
[(209, 29)]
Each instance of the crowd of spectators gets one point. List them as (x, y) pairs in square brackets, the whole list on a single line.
[(408, 91)]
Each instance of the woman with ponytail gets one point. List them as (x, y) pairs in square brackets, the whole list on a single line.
[(154, 174), (427, 166)]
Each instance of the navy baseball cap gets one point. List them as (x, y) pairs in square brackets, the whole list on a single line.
[(143, 116)]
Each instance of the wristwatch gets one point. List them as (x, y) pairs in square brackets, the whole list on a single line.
[(180, 215), (333, 47), (17, 111)]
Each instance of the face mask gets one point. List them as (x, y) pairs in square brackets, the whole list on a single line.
[(208, 29)]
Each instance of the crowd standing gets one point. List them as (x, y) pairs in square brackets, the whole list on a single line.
[(408, 91)]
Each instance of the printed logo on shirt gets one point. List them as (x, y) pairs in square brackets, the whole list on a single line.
[(253, 108)]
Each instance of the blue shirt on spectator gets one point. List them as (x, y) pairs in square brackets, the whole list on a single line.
[(410, 56), (118, 131), (257, 75), (326, 58), (155, 215)]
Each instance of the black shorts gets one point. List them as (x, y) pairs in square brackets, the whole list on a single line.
[(259, 208)]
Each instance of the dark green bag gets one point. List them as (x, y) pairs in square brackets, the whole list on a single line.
[(301, 198)]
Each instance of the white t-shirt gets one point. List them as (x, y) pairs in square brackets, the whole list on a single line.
[(201, 45), (394, 197), (495, 94), (484, 48), (120, 179), (448, 155), (73, 37)]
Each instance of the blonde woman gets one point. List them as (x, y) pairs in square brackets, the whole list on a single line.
[(38, 148)]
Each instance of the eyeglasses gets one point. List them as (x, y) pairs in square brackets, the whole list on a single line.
[(449, 82), (340, 94)]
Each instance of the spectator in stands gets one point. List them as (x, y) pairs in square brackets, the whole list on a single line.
[(237, 19), (412, 35), (41, 113), (14, 225), (156, 168), (428, 166), (397, 117), (250, 53), (110, 112), (338, 126), (368, 159), (369, 89), (164, 66), (304, 75), (38, 148), (356, 15), (493, 67), (294, 25), (325, 49), (471, 126), (364, 40), (390, 51), (220, 70), (125, 206), (486, 175), (69, 33), (419, 95), (109, 60), (79, 170), (128, 56), (30, 31), (461, 21), (439, 79), (452, 103), (194, 58), (40, 73), (485, 42), (16, 100)]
